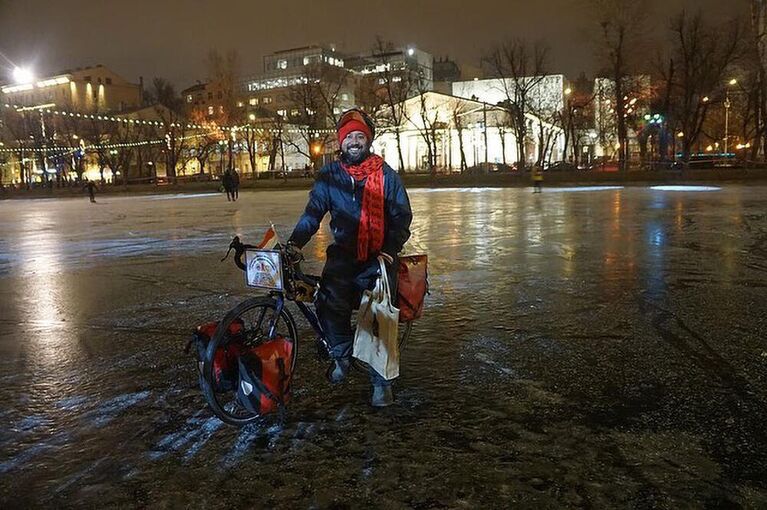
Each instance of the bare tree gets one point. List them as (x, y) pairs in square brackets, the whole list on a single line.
[(520, 68), (458, 114), (393, 86), (623, 28), (757, 58), (224, 75), (169, 109), (314, 109), (698, 65)]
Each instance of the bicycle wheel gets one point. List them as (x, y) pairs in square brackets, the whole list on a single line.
[(256, 314)]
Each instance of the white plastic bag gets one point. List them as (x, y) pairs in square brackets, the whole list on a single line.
[(376, 340)]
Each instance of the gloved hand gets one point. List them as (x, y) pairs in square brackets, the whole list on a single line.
[(294, 253)]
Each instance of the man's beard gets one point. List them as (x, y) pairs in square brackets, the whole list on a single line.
[(351, 158)]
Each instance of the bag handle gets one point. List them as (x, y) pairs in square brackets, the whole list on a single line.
[(385, 289)]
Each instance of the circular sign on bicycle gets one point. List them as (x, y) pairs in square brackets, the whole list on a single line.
[(263, 269)]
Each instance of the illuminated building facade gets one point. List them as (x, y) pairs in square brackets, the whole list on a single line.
[(90, 89)]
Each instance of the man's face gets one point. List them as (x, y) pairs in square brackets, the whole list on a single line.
[(355, 147)]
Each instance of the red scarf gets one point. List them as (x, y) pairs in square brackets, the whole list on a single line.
[(370, 233)]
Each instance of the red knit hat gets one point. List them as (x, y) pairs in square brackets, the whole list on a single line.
[(353, 122)]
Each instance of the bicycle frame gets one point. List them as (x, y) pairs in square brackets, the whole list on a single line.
[(306, 311)]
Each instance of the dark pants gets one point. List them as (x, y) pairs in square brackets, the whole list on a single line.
[(343, 280)]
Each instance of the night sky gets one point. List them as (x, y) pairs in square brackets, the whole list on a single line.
[(171, 38)]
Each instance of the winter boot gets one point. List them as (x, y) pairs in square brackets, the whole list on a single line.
[(382, 395), (337, 370)]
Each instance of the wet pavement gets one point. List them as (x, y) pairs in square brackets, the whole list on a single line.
[(589, 347)]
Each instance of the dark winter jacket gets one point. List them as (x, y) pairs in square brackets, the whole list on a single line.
[(335, 191)]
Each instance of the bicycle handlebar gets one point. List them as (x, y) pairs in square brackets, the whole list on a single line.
[(294, 263)]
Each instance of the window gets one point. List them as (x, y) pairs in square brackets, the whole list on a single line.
[(281, 113), (396, 79), (282, 64), (294, 112), (253, 101), (381, 81), (240, 104), (210, 110), (220, 109), (189, 98), (336, 111), (344, 97), (267, 100)]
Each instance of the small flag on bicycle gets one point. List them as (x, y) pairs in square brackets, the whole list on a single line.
[(270, 240)]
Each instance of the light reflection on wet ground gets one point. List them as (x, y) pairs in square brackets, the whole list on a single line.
[(595, 348)]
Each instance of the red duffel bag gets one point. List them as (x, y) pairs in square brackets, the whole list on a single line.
[(412, 286)]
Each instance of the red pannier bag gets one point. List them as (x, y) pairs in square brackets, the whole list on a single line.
[(225, 358), (265, 374), (412, 286)]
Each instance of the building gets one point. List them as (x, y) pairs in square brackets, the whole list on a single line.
[(278, 88), (461, 133), (545, 94), (405, 62), (446, 72), (91, 89)]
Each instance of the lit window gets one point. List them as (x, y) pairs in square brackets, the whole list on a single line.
[(267, 100), (220, 109), (294, 112), (344, 97), (282, 113), (336, 111), (282, 64), (188, 99), (253, 101), (210, 110), (381, 81), (396, 78), (240, 104)]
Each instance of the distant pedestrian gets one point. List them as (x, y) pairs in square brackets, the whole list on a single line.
[(226, 181), (235, 185), (91, 187), (537, 178)]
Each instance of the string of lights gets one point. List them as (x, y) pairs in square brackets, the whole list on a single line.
[(290, 128), (60, 151)]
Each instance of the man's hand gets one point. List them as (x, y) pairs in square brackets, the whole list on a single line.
[(294, 252)]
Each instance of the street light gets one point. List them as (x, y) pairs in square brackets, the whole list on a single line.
[(727, 105), (22, 75), (568, 91)]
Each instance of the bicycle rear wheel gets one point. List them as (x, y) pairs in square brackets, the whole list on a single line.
[(257, 315)]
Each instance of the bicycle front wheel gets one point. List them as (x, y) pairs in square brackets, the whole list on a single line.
[(258, 315)]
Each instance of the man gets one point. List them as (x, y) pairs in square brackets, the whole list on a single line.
[(91, 186), (226, 182), (537, 178), (235, 185), (370, 216)]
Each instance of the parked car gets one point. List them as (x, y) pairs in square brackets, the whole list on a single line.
[(604, 165), (561, 166)]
